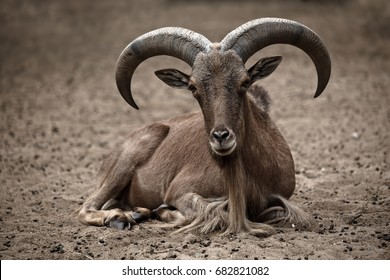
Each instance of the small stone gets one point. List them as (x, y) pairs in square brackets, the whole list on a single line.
[(355, 135)]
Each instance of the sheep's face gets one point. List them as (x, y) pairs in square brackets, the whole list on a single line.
[(219, 81)]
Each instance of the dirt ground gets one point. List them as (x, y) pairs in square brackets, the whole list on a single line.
[(61, 115)]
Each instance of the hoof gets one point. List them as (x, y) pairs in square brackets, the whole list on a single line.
[(140, 214), (156, 213), (138, 217), (119, 225)]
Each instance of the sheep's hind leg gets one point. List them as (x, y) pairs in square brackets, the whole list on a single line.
[(116, 174)]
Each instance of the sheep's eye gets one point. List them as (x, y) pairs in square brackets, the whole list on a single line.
[(192, 88)]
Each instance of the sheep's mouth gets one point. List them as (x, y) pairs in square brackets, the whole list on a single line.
[(224, 150)]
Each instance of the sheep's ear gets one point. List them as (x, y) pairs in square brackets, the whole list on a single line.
[(263, 68), (173, 78)]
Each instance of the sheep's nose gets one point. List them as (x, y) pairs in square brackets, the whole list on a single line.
[(220, 135)]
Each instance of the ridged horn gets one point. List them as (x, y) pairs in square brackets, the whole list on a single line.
[(260, 33), (172, 41)]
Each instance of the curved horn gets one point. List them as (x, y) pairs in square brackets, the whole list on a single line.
[(260, 33), (173, 41)]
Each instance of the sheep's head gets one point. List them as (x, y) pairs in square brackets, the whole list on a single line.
[(219, 79)]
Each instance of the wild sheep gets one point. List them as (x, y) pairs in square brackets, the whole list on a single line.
[(226, 168)]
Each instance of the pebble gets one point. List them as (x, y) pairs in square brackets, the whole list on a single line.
[(355, 135), (205, 243), (59, 248)]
